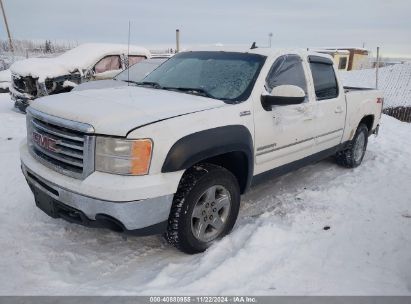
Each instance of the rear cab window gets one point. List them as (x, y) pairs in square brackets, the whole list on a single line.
[(325, 80)]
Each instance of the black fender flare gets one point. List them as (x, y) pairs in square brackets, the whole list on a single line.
[(196, 147)]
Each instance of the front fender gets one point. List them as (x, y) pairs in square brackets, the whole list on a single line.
[(202, 145)]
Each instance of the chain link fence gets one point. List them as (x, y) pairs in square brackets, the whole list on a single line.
[(400, 113)]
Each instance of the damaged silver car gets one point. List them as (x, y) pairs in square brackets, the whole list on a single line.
[(36, 77)]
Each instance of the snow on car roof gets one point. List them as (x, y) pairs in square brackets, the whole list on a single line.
[(88, 53), (331, 51), (80, 58)]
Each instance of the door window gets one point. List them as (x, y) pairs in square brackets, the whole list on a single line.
[(287, 70), (325, 82), (108, 63)]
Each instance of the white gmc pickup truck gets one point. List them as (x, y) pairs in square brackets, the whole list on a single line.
[(172, 154)]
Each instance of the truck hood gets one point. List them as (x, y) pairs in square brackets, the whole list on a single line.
[(116, 111), (100, 84), (43, 68)]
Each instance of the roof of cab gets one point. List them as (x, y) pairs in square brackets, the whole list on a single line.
[(264, 51)]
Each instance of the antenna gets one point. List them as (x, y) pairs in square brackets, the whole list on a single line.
[(128, 54), (253, 46)]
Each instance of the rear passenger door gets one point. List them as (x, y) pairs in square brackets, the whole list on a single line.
[(331, 106)]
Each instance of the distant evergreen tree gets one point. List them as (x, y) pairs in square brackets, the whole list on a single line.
[(48, 47)]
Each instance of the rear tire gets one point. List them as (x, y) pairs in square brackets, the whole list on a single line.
[(204, 208), (352, 156)]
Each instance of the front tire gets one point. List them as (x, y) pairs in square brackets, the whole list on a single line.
[(204, 208), (352, 156)]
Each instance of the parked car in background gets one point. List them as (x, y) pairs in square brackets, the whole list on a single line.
[(134, 74), (35, 77), (173, 154), (5, 80)]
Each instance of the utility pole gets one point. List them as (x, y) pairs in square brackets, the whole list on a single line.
[(177, 40), (377, 67), (270, 36), (7, 26)]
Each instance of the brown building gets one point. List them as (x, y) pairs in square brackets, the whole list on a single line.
[(348, 59)]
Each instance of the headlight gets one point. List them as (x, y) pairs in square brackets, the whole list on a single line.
[(123, 156)]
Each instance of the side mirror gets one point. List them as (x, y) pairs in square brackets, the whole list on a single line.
[(88, 74), (283, 95)]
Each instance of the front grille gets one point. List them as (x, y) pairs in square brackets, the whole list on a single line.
[(62, 145), (25, 84)]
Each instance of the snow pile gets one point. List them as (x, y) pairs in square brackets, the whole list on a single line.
[(79, 58), (394, 81), (278, 246)]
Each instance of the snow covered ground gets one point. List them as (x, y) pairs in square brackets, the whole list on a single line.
[(394, 81), (278, 246)]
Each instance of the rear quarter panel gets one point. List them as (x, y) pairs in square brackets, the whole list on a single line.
[(359, 105)]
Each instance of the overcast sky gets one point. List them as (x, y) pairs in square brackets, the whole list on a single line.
[(312, 23)]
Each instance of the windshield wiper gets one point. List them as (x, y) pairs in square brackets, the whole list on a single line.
[(129, 81), (195, 91), (153, 84)]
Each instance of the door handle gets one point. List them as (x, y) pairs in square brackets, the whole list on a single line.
[(338, 110)]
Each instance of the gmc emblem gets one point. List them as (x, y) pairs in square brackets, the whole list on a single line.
[(44, 142)]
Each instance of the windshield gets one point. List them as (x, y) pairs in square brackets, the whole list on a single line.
[(140, 70), (228, 76)]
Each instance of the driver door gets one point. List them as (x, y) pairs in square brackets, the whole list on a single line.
[(284, 134)]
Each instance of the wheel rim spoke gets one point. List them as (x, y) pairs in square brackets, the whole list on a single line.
[(197, 212), (200, 231), (217, 223), (222, 202), (210, 194)]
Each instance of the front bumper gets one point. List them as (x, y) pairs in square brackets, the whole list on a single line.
[(143, 217), (21, 100)]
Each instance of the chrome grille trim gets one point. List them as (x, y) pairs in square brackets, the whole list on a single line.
[(49, 129), (65, 123), (76, 163), (73, 144)]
